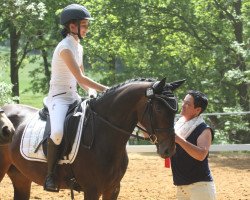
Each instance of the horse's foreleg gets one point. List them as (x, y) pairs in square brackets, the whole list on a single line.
[(111, 194), (20, 183), (3, 170), (5, 161)]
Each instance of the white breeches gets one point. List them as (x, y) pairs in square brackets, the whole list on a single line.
[(59, 100), (197, 191)]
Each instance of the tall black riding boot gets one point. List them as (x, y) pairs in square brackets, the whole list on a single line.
[(52, 159)]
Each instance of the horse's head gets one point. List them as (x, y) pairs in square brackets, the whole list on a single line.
[(157, 115), (150, 103), (6, 129)]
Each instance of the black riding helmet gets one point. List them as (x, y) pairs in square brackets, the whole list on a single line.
[(74, 12)]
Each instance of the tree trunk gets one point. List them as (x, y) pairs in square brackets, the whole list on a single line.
[(240, 63), (14, 68), (45, 59), (112, 68), (46, 66), (242, 136)]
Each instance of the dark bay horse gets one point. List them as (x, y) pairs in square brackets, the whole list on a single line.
[(6, 128), (99, 170)]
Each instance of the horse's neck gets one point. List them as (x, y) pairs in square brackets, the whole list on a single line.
[(120, 107)]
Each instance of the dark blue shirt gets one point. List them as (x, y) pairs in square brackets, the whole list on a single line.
[(187, 170)]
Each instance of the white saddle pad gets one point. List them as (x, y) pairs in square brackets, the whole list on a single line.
[(33, 135)]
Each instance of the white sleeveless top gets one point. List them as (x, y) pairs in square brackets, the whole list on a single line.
[(60, 73)]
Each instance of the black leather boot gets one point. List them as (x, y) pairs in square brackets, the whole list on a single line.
[(52, 159)]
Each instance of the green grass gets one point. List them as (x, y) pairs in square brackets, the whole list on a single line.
[(26, 95)]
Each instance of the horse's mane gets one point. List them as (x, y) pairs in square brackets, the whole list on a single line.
[(115, 87), (166, 95)]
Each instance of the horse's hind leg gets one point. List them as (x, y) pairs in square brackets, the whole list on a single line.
[(91, 194), (111, 194), (20, 183)]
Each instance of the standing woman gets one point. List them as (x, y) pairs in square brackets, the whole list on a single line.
[(190, 166), (67, 70)]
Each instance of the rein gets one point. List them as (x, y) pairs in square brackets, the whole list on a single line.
[(152, 133), (119, 129)]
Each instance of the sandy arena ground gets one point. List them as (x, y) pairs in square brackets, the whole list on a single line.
[(147, 179)]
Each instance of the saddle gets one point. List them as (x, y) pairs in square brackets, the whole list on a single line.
[(70, 128)]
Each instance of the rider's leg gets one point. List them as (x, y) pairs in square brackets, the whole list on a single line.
[(57, 112), (52, 159)]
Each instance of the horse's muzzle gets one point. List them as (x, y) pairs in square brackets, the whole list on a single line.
[(166, 151)]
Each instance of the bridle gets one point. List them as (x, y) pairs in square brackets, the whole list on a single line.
[(150, 94), (152, 132)]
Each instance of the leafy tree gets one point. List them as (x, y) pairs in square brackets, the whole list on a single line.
[(19, 22), (205, 41), (186, 38)]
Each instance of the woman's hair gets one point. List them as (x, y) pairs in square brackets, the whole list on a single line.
[(200, 99), (66, 30)]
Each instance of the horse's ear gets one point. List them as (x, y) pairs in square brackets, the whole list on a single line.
[(174, 85), (159, 85)]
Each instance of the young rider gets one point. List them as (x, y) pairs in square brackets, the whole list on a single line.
[(67, 70)]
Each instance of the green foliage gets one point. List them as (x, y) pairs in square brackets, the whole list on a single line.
[(5, 94), (231, 128), (206, 42), (22, 15)]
